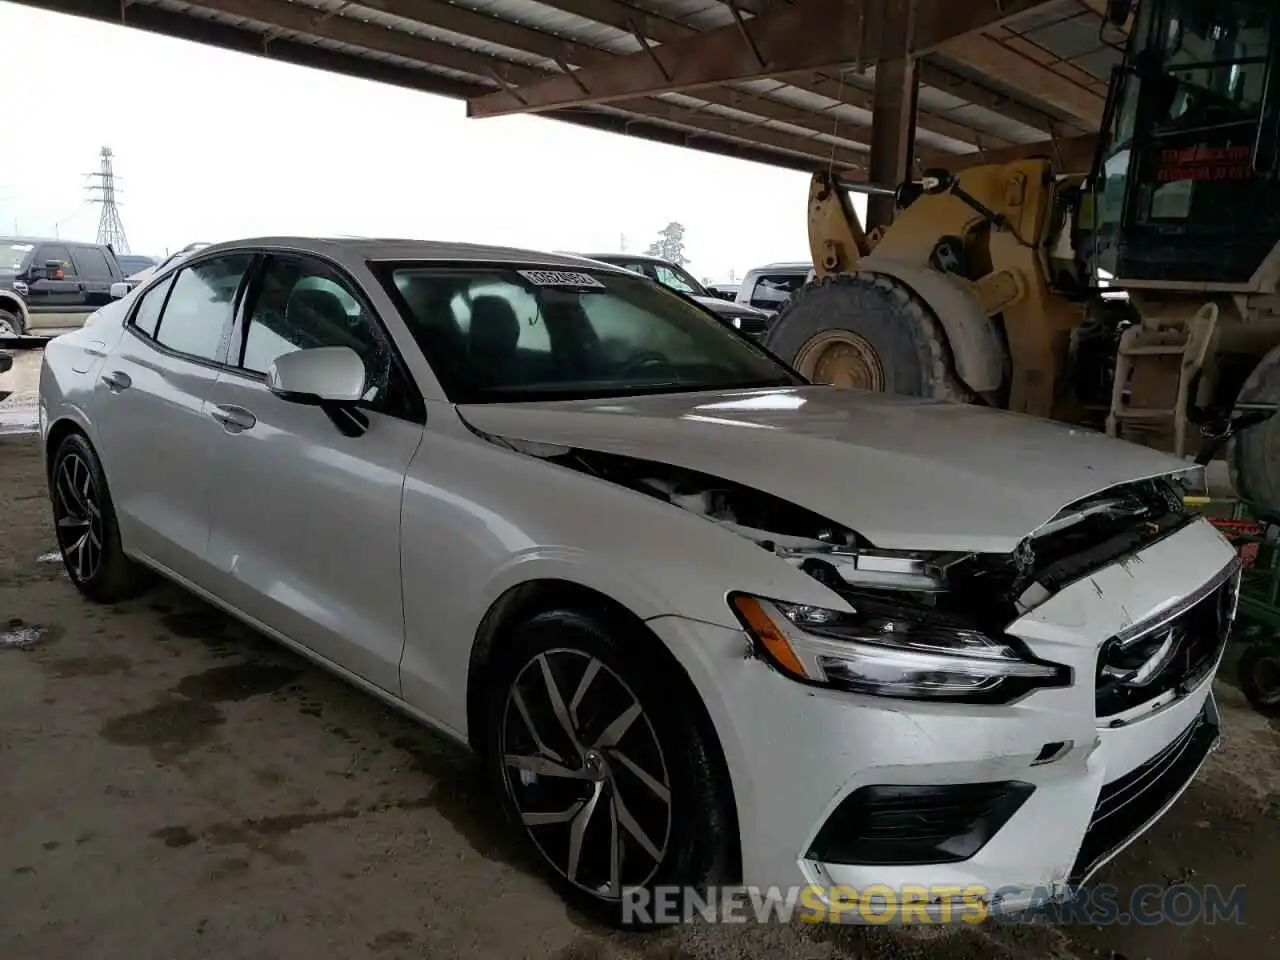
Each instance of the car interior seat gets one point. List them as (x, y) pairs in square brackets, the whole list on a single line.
[(493, 338)]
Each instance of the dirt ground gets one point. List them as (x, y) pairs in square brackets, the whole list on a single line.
[(172, 785)]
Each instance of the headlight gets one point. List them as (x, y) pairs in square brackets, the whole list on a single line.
[(889, 649)]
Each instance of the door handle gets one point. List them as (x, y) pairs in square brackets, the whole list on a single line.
[(117, 380), (233, 419)]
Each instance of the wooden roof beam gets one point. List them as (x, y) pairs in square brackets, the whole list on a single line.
[(998, 59), (809, 35)]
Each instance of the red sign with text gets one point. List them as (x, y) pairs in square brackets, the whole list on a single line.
[(1205, 163)]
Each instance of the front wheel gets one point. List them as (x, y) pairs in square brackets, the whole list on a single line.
[(1253, 454), (1259, 675), (866, 332), (609, 776), (11, 326), (85, 524)]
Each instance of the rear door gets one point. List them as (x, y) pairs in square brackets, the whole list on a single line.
[(96, 275), (305, 531), (155, 435)]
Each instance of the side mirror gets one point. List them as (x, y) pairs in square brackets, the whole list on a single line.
[(119, 290), (318, 376)]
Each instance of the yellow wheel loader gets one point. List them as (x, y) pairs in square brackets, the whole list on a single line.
[(1142, 297)]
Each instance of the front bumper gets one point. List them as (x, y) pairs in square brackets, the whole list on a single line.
[(796, 753)]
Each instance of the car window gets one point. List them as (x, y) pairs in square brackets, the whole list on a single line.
[(501, 333), (91, 262), (197, 318), (772, 290), (674, 279), (147, 315), (13, 254), (300, 302), (58, 253), (130, 265), (621, 330)]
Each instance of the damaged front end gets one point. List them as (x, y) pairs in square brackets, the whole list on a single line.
[(921, 624)]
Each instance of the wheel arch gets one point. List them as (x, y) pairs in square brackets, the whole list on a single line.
[(14, 304), (524, 600), (58, 431), (977, 349)]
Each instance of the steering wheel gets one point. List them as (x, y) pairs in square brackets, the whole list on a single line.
[(644, 358)]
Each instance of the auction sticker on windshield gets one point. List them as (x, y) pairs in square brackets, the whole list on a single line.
[(559, 278)]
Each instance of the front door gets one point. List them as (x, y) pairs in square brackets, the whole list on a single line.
[(54, 292), (157, 436), (305, 530)]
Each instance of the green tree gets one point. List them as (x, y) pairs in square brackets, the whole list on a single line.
[(670, 244)]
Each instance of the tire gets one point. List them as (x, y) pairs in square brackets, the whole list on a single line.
[(665, 741), (911, 351), (10, 325), (86, 528), (1253, 454), (1259, 676)]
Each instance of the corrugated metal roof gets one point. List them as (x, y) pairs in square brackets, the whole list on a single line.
[(975, 94)]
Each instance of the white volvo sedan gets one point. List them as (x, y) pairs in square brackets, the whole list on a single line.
[(704, 623)]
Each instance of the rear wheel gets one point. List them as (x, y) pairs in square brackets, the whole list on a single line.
[(603, 766), (85, 525), (10, 324), (1254, 453), (865, 332)]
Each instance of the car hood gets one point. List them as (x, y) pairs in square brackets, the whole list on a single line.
[(728, 308), (905, 474)]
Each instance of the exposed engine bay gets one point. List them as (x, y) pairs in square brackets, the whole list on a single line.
[(988, 590)]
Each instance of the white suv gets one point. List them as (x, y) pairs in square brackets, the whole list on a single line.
[(771, 286)]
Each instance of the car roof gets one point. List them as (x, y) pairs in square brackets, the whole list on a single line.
[(610, 257), (796, 265), (60, 242), (397, 249)]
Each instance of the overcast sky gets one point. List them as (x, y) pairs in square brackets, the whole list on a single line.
[(212, 145)]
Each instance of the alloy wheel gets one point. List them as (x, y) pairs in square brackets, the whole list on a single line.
[(78, 517), (586, 772), (7, 329)]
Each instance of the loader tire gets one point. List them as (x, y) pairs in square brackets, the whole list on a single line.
[(865, 331), (1253, 454)]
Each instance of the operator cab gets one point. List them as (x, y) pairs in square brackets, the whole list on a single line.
[(1185, 185)]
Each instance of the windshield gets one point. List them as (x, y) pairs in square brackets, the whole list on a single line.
[(131, 264), (678, 279), (667, 274), (13, 253), (1215, 59), (495, 334)]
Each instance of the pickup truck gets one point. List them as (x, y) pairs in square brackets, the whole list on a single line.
[(50, 285)]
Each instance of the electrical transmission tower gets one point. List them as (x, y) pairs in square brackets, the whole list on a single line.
[(103, 190)]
